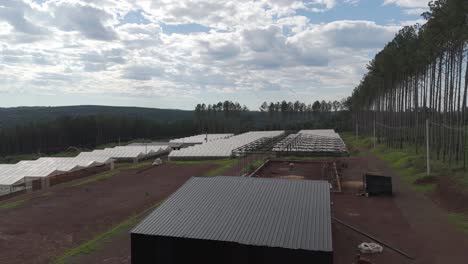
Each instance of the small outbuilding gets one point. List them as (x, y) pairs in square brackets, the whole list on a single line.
[(377, 184), (238, 220)]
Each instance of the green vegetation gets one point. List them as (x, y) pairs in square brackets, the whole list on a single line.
[(43, 131), (422, 74), (224, 165), (14, 204), (195, 162), (232, 117), (460, 221), (69, 129), (99, 240), (305, 158), (110, 173), (411, 166), (252, 166)]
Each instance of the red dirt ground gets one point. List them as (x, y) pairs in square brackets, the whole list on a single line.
[(449, 195), (53, 220), (280, 169), (409, 221)]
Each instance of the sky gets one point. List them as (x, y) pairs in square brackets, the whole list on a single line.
[(177, 53)]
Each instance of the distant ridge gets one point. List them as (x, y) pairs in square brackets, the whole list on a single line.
[(23, 115)]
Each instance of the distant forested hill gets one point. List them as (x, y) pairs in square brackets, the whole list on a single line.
[(48, 130), (24, 115)]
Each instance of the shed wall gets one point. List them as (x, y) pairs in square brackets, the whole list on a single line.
[(171, 250)]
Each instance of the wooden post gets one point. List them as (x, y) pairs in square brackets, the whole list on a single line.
[(357, 130), (375, 137), (428, 168)]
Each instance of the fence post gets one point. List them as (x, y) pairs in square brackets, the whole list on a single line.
[(428, 168), (357, 130), (375, 137)]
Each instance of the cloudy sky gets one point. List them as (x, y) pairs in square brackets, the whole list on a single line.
[(177, 53)]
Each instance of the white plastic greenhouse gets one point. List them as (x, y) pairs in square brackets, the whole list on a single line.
[(221, 148), (125, 152), (320, 141), (199, 139), (320, 132), (16, 177)]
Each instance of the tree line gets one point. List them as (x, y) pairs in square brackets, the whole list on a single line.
[(422, 74), (230, 116), (86, 132), (301, 107)]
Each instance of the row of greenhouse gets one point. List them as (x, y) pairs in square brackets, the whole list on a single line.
[(24, 174), (49, 170), (222, 147), (319, 141)]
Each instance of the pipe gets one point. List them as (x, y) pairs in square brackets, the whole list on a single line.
[(373, 238)]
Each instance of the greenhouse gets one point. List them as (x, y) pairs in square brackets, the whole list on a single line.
[(322, 142), (22, 175), (222, 148), (199, 139)]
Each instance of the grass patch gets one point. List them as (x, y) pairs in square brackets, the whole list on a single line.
[(98, 241), (46, 194), (252, 166), (411, 166), (196, 162), (131, 166), (98, 177), (304, 158), (191, 162), (460, 221), (223, 166), (110, 173), (11, 205), (424, 188)]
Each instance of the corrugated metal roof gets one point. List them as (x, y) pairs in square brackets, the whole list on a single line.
[(293, 214)]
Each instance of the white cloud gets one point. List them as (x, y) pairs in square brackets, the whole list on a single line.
[(408, 3), (87, 47), (352, 2), (415, 11), (88, 20), (357, 34)]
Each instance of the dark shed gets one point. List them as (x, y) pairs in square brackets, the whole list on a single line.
[(377, 184), (238, 220)]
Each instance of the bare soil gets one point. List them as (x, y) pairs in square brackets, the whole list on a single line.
[(449, 195), (64, 216), (408, 220), (281, 169)]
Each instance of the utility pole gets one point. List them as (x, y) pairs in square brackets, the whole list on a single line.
[(428, 168)]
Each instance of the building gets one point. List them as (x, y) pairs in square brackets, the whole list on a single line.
[(238, 220)]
